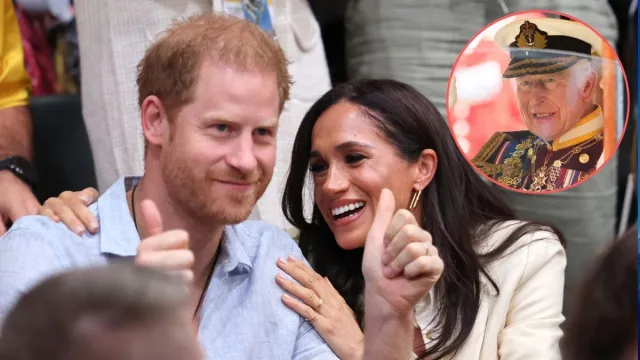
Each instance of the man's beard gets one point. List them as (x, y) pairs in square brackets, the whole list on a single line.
[(203, 199)]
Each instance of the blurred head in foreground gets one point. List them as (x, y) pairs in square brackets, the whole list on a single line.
[(113, 312), (602, 324)]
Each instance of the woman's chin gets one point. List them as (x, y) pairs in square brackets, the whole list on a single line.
[(351, 241)]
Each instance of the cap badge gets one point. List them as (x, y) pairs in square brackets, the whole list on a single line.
[(530, 36)]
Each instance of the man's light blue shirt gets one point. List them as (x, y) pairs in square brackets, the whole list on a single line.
[(243, 316)]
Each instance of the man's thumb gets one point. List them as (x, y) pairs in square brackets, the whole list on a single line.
[(151, 218), (384, 213)]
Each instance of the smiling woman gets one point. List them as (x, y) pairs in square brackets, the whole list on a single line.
[(348, 152), (368, 135)]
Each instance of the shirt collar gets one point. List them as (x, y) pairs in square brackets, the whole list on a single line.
[(118, 233), (583, 130), (119, 236), (235, 250)]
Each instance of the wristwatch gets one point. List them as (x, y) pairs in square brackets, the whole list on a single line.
[(21, 168)]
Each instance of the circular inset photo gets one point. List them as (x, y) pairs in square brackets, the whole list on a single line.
[(538, 101)]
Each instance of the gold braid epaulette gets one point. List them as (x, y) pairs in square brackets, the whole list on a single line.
[(488, 168), (490, 147)]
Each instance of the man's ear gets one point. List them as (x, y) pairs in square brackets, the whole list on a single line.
[(155, 123), (589, 86), (426, 169)]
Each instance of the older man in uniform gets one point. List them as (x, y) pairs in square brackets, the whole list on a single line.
[(555, 86)]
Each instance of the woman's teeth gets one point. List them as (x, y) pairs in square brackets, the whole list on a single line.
[(350, 207)]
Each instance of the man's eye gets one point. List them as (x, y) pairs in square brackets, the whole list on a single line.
[(221, 127), (264, 132)]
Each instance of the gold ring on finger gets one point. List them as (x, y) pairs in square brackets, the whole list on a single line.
[(319, 304), (315, 316)]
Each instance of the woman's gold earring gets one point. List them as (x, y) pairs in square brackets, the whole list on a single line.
[(414, 200)]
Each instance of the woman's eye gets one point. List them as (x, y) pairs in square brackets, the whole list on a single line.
[(315, 168), (353, 158)]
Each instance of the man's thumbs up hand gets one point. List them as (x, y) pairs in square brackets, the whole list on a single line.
[(165, 250)]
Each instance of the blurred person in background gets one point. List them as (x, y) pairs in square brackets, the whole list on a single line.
[(113, 36), (602, 322), (48, 28), (102, 313), (417, 42), (17, 174)]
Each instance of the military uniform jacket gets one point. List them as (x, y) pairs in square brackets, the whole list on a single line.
[(524, 161)]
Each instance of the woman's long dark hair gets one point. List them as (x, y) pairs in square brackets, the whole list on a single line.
[(602, 322), (458, 208)]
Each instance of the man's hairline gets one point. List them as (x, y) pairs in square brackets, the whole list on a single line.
[(257, 70)]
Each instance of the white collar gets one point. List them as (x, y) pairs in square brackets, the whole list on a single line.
[(589, 126)]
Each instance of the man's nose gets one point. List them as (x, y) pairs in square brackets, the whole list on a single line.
[(241, 156), (538, 93)]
